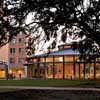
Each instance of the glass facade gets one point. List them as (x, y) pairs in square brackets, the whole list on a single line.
[(97, 70), (63, 67), (16, 72), (2, 73)]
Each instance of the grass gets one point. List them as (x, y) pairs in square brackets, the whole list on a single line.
[(14, 94), (50, 95), (7, 90), (49, 83)]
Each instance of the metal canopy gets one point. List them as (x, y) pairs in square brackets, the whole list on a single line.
[(67, 51)]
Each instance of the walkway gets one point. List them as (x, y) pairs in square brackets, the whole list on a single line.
[(52, 88)]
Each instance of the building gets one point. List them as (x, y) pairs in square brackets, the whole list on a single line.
[(14, 55), (3, 58), (62, 64)]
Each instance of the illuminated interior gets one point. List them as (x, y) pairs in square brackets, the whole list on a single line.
[(16, 72), (2, 73), (59, 67)]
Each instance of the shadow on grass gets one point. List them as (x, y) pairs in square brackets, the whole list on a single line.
[(49, 95)]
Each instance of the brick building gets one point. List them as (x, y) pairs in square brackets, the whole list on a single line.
[(14, 55), (3, 58)]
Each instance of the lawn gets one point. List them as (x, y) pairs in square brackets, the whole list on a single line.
[(50, 95), (52, 83), (7, 90), (14, 94)]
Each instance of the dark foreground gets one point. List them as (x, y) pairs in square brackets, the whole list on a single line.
[(50, 95)]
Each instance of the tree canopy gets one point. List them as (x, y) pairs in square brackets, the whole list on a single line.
[(78, 18)]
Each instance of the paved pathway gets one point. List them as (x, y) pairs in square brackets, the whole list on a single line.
[(51, 88)]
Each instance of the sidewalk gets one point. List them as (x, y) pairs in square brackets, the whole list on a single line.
[(51, 88)]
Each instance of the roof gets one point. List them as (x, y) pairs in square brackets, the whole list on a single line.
[(66, 44), (62, 52), (68, 51)]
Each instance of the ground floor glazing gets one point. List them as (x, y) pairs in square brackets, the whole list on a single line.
[(12, 72), (62, 67)]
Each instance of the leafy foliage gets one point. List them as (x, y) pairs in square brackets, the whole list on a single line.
[(78, 18)]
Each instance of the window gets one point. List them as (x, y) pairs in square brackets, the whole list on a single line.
[(20, 60), (12, 60), (20, 40), (12, 50), (68, 58), (20, 50), (97, 59)]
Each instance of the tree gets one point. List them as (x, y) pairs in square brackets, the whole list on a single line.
[(78, 18)]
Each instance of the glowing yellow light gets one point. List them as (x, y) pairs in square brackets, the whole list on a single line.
[(19, 72), (10, 71), (60, 59)]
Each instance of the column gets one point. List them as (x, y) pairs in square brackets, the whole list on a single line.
[(79, 70), (38, 65), (6, 71), (53, 67), (26, 73), (74, 67), (94, 69), (45, 67), (84, 68), (63, 67)]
